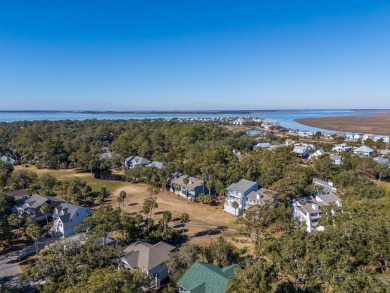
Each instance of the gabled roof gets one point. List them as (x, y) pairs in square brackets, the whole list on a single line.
[(145, 255), (328, 198), (66, 211), (335, 157), (107, 155), (266, 195), (207, 278), (263, 145), (138, 160), (382, 160), (327, 185), (192, 184), (156, 164), (306, 203), (242, 185), (34, 201), (300, 149), (364, 149)]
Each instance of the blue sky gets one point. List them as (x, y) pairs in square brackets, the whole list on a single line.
[(194, 55)]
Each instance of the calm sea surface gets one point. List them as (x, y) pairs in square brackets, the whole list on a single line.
[(285, 118)]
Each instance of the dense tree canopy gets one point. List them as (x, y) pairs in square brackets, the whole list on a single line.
[(351, 255)]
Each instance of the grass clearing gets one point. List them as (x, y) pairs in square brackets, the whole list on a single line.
[(68, 174), (206, 223)]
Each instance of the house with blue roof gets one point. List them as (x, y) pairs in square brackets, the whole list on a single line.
[(364, 151)]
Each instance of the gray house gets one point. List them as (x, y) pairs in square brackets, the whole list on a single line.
[(382, 160), (337, 160), (136, 161), (151, 259), (237, 192), (194, 187), (156, 164), (32, 206)]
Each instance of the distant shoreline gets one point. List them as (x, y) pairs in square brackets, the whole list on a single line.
[(211, 112), (377, 123)]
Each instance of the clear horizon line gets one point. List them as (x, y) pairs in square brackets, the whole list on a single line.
[(194, 111)]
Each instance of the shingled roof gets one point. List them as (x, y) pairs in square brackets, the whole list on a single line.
[(145, 255), (207, 278), (192, 182)]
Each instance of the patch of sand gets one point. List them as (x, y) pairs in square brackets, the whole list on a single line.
[(206, 223)]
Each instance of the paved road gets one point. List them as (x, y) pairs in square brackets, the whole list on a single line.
[(9, 268)]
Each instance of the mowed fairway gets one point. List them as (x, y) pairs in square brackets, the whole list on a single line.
[(206, 223), (96, 184)]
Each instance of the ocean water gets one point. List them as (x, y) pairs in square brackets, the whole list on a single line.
[(285, 118)]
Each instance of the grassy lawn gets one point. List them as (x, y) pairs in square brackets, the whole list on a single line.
[(206, 224), (96, 184)]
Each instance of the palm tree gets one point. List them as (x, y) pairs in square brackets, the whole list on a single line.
[(34, 231), (119, 200), (177, 189), (167, 217), (184, 218), (122, 195), (235, 206), (103, 190), (186, 181), (138, 219), (210, 185), (101, 198), (16, 222), (220, 188), (45, 209)]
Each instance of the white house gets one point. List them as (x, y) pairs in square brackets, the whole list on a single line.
[(237, 192), (358, 136), (307, 210), (136, 161), (343, 147), (149, 258), (261, 196), (328, 185), (367, 136), (337, 160), (317, 153), (8, 160), (364, 151), (66, 218), (301, 151), (262, 145)]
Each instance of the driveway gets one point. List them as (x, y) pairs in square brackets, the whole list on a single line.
[(9, 268)]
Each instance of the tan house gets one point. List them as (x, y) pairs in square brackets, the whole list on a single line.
[(149, 258)]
